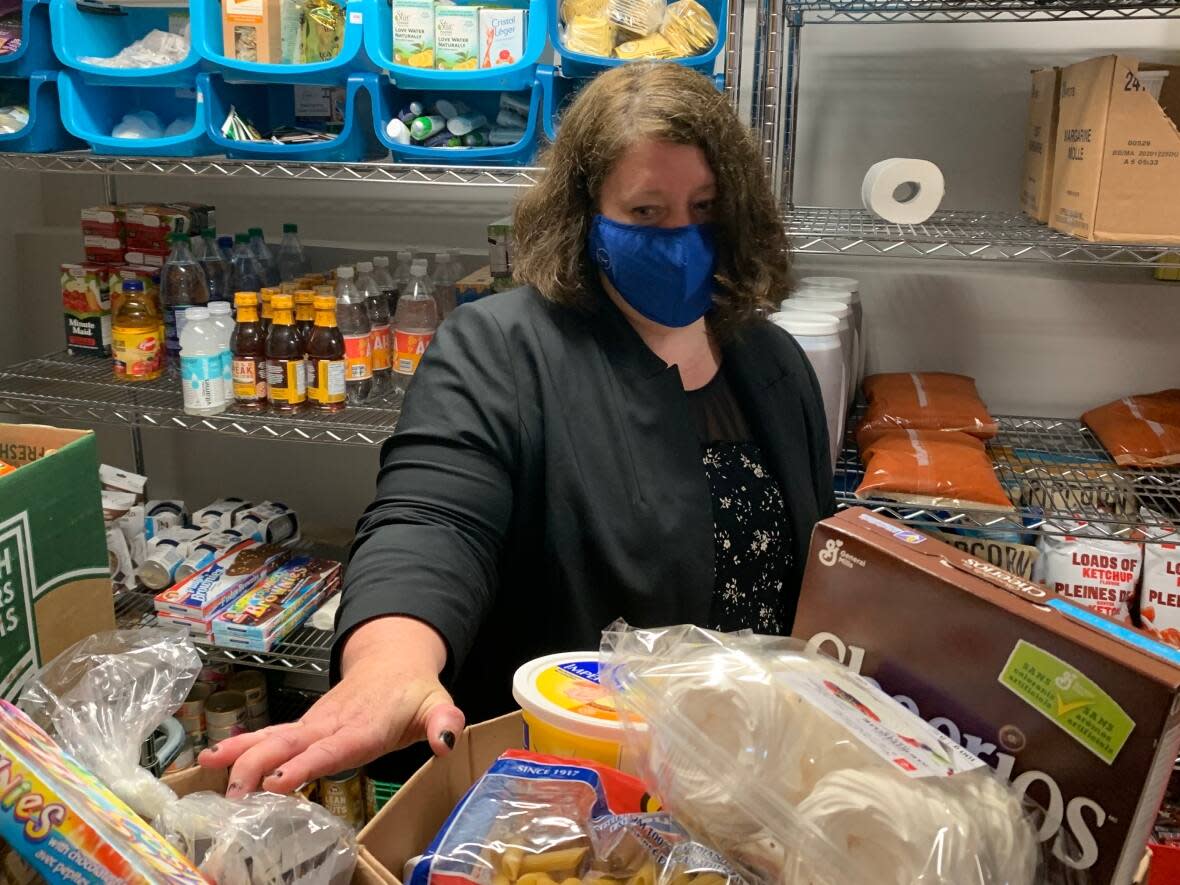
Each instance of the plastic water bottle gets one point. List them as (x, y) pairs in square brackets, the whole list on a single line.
[(444, 283), (225, 245), (266, 259), (385, 282), (380, 337), (292, 259), (401, 277), (217, 269), (201, 366), (245, 272), (352, 318), (415, 322), (182, 285), (221, 316)]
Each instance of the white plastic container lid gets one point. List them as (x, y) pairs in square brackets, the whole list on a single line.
[(563, 690), (806, 292), (807, 324), (1153, 81), (819, 307), (196, 313), (219, 308), (839, 284)]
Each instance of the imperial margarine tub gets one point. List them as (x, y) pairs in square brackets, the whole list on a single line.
[(568, 712)]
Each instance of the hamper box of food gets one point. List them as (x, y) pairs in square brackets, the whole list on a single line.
[(1116, 167), (55, 582), (1078, 712)]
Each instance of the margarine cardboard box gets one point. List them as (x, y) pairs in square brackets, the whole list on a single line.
[(1079, 713), (1116, 168), (55, 581), (1040, 142)]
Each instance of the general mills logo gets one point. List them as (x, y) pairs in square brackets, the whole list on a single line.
[(831, 553)]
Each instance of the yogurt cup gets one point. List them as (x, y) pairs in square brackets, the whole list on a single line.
[(567, 712)]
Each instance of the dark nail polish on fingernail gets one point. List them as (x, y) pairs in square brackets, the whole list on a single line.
[(448, 738), (278, 773), (232, 788)]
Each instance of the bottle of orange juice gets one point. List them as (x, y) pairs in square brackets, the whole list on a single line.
[(137, 336)]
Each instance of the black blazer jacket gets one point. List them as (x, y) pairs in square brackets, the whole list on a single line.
[(545, 478)]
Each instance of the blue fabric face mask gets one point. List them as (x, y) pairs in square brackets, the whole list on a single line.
[(665, 273)]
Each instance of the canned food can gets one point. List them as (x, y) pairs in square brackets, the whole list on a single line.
[(194, 726), (251, 683), (224, 709), (341, 795), (194, 705), (216, 673), (370, 798)]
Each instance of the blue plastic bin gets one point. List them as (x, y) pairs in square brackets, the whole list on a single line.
[(44, 133), (507, 78), (334, 72), (557, 90), (267, 105), (96, 35), (90, 111), (577, 64), (389, 99), (36, 46)]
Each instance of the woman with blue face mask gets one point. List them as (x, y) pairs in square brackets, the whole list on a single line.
[(623, 436)]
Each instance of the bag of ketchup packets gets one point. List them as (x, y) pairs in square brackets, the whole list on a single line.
[(544, 820)]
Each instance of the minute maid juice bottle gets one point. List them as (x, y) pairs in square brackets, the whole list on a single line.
[(413, 33), (456, 38)]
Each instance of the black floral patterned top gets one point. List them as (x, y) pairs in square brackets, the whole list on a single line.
[(751, 530)]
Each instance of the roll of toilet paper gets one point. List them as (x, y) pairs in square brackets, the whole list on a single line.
[(903, 191)]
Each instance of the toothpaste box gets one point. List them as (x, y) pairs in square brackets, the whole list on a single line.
[(413, 33), (86, 303), (501, 36), (67, 825), (202, 595), (279, 603), (456, 38)]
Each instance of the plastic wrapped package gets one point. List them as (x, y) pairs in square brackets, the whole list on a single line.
[(104, 696), (590, 35), (636, 18), (1140, 431), (800, 771), (930, 468), (1101, 574), (543, 820), (1159, 603), (654, 46), (261, 839), (323, 31), (571, 9), (924, 401), (689, 28)]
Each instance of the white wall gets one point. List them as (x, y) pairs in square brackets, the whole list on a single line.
[(1040, 339)]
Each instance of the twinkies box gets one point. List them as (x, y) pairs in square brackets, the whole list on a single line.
[(1116, 167), (55, 580), (1077, 712), (1040, 143), (210, 591)]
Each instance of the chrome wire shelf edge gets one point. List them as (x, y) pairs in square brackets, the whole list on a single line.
[(1063, 461), (82, 389), (956, 234), (203, 167), (944, 11)]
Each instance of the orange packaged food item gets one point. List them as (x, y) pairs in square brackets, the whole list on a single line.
[(926, 401), (1141, 430), (930, 468)]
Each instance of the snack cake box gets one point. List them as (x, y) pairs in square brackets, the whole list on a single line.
[(203, 594), (1077, 712), (67, 825), (279, 601)]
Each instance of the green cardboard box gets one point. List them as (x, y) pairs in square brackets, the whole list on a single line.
[(55, 581)]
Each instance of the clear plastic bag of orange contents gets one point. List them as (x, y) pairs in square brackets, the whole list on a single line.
[(926, 401), (1140, 431), (929, 468), (533, 819)]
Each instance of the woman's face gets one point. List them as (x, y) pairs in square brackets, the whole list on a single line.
[(659, 183)]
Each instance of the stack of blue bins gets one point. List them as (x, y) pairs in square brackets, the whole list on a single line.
[(95, 98), (396, 86), (29, 77), (573, 70)]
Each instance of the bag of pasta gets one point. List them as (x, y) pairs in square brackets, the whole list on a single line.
[(654, 46), (571, 9), (636, 18), (544, 820), (590, 35), (688, 28)]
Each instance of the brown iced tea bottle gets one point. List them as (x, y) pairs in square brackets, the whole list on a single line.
[(286, 374), (304, 313), (325, 358), (267, 294), (248, 347)]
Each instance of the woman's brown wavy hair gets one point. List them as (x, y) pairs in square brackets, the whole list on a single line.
[(664, 102)]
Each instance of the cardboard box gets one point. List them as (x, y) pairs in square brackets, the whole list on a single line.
[(413, 33), (500, 247), (104, 221), (1040, 142), (475, 286), (415, 814), (252, 30), (1079, 713), (202, 595), (456, 38), (55, 581), (1116, 170), (215, 780), (86, 306), (501, 36)]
